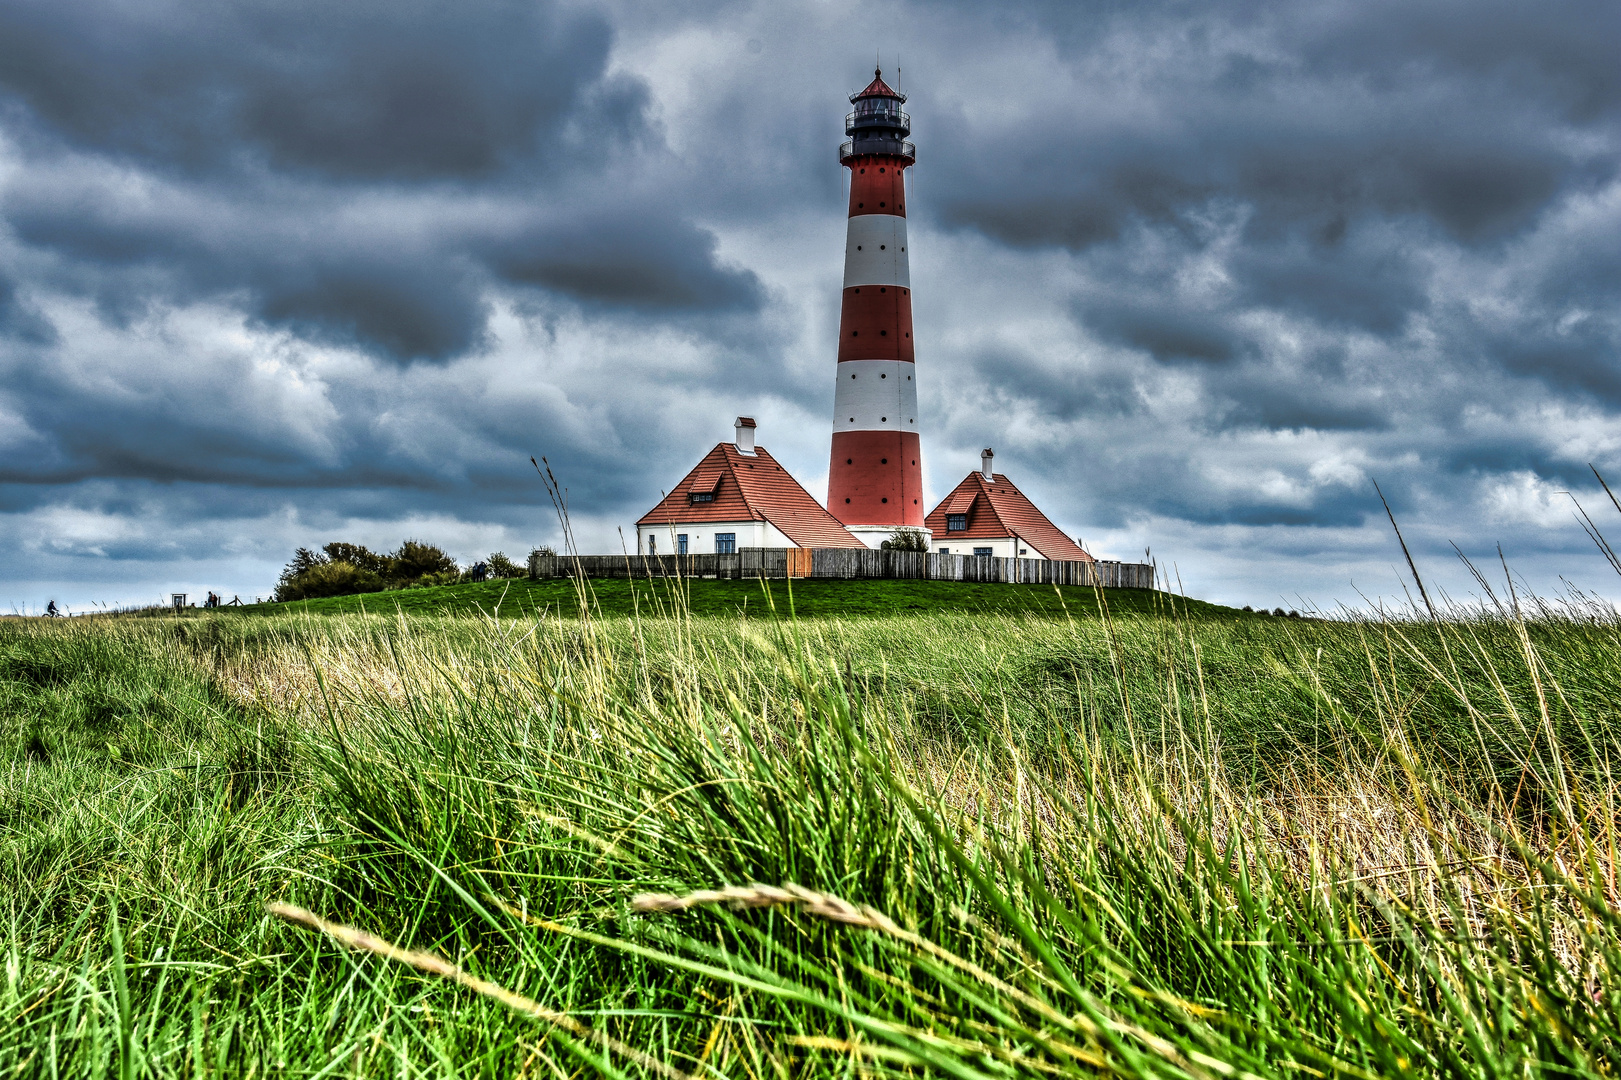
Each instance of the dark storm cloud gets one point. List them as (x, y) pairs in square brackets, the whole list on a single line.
[(396, 279), (1361, 142), (19, 320), (364, 90), (313, 161), (628, 255)]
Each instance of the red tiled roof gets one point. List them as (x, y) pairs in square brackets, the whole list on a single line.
[(750, 489), (876, 88), (703, 482), (997, 510)]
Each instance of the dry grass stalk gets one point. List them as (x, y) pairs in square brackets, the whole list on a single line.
[(359, 940), (837, 909), (743, 897)]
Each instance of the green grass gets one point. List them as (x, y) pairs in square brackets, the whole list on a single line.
[(1153, 844), (755, 599)]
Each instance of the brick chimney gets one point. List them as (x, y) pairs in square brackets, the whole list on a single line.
[(745, 435)]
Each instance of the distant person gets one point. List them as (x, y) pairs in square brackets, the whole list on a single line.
[(481, 571), (51, 612)]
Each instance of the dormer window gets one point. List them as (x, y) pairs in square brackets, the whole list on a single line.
[(956, 522), (703, 488)]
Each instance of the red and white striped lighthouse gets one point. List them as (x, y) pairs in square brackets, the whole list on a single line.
[(875, 477)]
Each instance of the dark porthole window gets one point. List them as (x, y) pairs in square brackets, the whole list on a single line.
[(883, 461), (881, 247), (849, 461), (886, 500), (883, 419), (846, 500), (883, 333), (883, 376)]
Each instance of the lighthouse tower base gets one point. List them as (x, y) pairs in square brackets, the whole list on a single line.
[(875, 535)]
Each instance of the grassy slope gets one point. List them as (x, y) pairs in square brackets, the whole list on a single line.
[(1162, 848), (810, 598)]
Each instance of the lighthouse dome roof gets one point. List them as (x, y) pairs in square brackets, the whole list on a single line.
[(878, 88)]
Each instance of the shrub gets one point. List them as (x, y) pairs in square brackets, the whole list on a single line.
[(360, 556), (443, 577), (331, 578), (415, 560), (503, 567), (906, 540), (340, 569), (304, 560)]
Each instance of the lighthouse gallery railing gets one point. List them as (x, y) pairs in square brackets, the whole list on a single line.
[(847, 150)]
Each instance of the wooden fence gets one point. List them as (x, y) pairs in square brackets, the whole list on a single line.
[(847, 563)]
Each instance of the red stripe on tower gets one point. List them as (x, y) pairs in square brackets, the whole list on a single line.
[(875, 478)]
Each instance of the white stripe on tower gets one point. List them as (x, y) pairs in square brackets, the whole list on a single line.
[(875, 251), (875, 395)]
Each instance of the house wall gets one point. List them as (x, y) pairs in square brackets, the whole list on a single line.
[(701, 536), (1003, 547)]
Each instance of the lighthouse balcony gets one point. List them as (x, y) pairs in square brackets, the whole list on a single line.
[(894, 147)]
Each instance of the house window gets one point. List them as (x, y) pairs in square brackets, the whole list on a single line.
[(680, 543), (1023, 551), (983, 553), (956, 522), (702, 496), (945, 551), (652, 545), (725, 543)]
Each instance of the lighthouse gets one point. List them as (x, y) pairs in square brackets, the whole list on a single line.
[(875, 474)]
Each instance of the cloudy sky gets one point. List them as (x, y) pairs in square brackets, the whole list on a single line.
[(273, 274)]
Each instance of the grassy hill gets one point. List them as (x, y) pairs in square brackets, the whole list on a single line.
[(808, 597), (965, 843)]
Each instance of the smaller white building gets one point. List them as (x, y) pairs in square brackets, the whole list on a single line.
[(987, 515), (738, 497)]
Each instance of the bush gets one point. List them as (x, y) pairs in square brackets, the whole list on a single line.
[(340, 569), (331, 578), (415, 560), (503, 567), (304, 560), (906, 540), (360, 556), (443, 577)]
